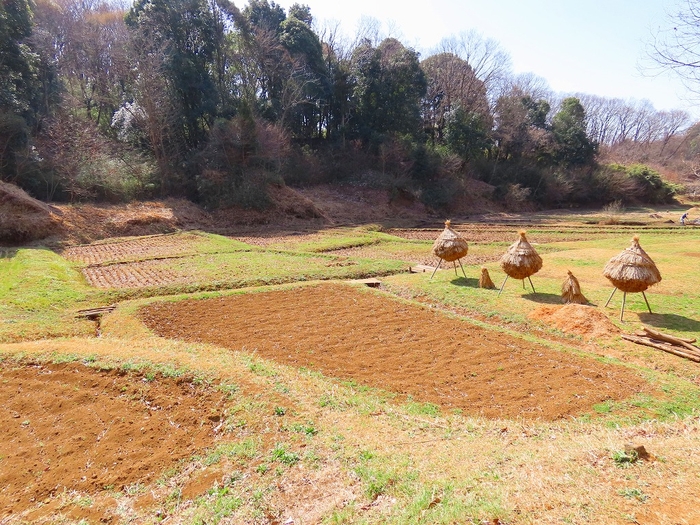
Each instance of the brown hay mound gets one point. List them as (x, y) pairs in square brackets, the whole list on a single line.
[(485, 280), (89, 222), (585, 321), (521, 260), (571, 291), (23, 218), (632, 270), (450, 245)]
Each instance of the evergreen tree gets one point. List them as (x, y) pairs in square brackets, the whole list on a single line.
[(573, 147), (18, 84), (389, 85)]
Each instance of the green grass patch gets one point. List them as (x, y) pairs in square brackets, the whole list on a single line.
[(282, 454), (243, 450), (39, 294)]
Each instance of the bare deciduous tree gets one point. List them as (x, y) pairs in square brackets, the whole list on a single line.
[(677, 48), (451, 84), (88, 44), (489, 62)]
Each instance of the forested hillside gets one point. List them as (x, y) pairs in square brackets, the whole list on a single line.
[(215, 101)]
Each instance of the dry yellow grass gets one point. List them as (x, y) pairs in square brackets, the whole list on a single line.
[(527, 473)]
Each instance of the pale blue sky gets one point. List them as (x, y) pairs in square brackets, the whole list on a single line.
[(588, 46)]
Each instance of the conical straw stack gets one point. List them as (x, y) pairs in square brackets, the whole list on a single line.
[(450, 246), (632, 270), (485, 279), (571, 291), (521, 260)]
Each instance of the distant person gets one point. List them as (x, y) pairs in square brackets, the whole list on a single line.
[(683, 218)]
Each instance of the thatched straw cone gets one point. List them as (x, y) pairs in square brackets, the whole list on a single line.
[(632, 270), (485, 279), (571, 291), (450, 245), (521, 260)]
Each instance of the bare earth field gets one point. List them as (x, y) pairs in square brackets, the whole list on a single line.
[(69, 430), (133, 275), (141, 247), (405, 349)]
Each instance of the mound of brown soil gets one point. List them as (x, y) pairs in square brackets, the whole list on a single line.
[(586, 321), (23, 218)]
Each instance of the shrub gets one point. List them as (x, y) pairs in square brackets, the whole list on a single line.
[(612, 212), (654, 189), (242, 157), (79, 163), (634, 183), (439, 194)]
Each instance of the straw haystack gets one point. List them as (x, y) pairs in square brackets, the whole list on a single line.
[(485, 279), (450, 247), (631, 271), (571, 291), (520, 261)]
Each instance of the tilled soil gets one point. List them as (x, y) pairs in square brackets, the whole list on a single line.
[(140, 248), (480, 233), (70, 429), (418, 353), (134, 275)]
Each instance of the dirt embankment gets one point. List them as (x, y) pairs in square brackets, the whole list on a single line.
[(24, 219)]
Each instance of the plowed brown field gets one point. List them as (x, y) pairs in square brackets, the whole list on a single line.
[(134, 275), (68, 430), (141, 248), (364, 336)]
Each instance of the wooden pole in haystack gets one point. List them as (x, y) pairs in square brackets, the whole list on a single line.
[(571, 291), (485, 279), (450, 247), (631, 271), (520, 261)]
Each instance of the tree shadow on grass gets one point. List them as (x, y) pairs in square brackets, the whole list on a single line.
[(671, 321)]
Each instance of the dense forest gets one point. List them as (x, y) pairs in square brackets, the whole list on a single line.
[(213, 102)]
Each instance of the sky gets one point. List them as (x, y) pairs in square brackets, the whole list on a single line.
[(597, 47)]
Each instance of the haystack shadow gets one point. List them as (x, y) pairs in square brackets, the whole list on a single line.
[(544, 298), (670, 321), (467, 282)]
